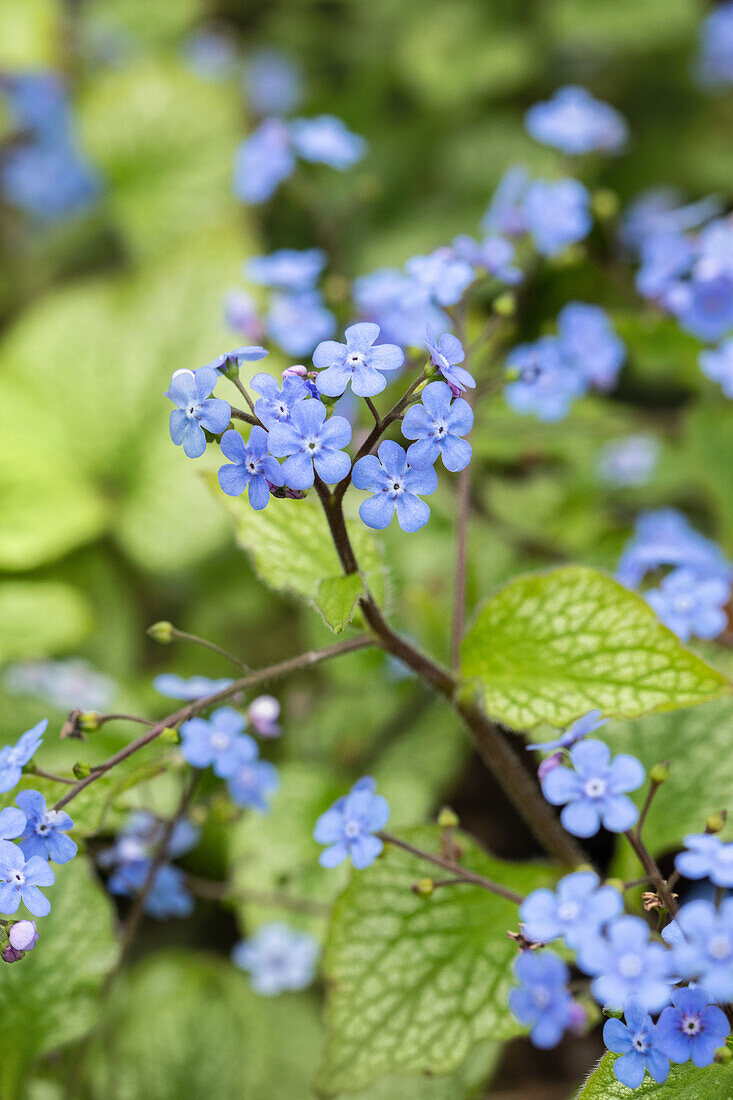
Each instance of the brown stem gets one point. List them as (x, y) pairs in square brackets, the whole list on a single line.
[(237, 414), (182, 635), (653, 788), (246, 397), (650, 866), (55, 778), (222, 891), (462, 873)]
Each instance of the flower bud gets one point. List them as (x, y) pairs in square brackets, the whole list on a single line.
[(23, 935), (547, 765), (505, 304), (161, 632), (89, 721), (659, 773), (448, 818), (10, 955), (296, 371), (424, 888), (81, 769), (170, 736), (716, 822), (723, 1056)]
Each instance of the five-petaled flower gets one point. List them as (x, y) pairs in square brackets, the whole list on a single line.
[(541, 1001), (593, 791), (627, 967), (216, 741), (348, 827), (638, 1043), (20, 879), (251, 467), (579, 906), (703, 946), (278, 958), (707, 857), (44, 834), (692, 1029), (276, 402), (359, 361), (197, 409), (579, 729), (395, 486), (250, 781), (307, 441), (438, 427)]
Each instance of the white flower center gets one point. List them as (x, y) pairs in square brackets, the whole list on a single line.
[(640, 1043), (220, 741), (247, 776), (683, 604), (351, 829), (630, 966), (541, 996), (17, 877), (192, 412), (691, 1025), (595, 788), (568, 911), (355, 359), (719, 946)]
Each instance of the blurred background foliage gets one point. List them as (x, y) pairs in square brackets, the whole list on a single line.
[(105, 527)]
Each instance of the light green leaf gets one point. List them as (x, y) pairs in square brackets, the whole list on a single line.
[(416, 982), (40, 618), (550, 646), (51, 997), (336, 599), (685, 1082), (29, 34)]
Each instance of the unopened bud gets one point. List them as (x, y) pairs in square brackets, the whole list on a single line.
[(723, 1056), (296, 371), (548, 764), (10, 955), (170, 736), (424, 888), (577, 1018), (23, 935), (81, 769), (716, 822), (659, 773), (505, 304), (605, 204), (89, 721), (162, 632), (230, 370), (448, 818)]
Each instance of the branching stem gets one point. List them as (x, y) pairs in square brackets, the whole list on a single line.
[(462, 874)]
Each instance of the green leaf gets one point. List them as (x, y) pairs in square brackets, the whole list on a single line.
[(40, 618), (51, 997), (685, 1082), (29, 34), (550, 646), (336, 599), (415, 983), (292, 550)]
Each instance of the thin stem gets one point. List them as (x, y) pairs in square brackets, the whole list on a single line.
[(55, 778), (102, 718), (650, 866), (184, 636), (373, 410), (293, 664), (653, 788), (247, 417), (222, 891), (238, 383), (462, 873)]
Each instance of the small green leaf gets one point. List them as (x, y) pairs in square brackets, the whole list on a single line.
[(416, 982), (40, 618), (550, 646), (336, 599), (685, 1082)]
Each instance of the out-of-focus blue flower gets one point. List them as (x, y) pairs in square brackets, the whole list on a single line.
[(638, 1043), (308, 442), (348, 827), (589, 344), (505, 214), (287, 269), (44, 832), (250, 467), (703, 949), (666, 256), (446, 353), (396, 487), (494, 255), (547, 385), (327, 140), (195, 687), (541, 1000), (556, 214), (574, 122), (65, 684), (263, 714), (629, 461), (252, 353), (402, 307), (579, 729), (20, 879), (692, 1029), (438, 428), (210, 54), (577, 908), (168, 895), (38, 103), (276, 402), (718, 366), (240, 313), (628, 968), (297, 322), (278, 959), (665, 537), (197, 409), (142, 836), (214, 741), (707, 857), (594, 790), (359, 362), (250, 781), (715, 64), (272, 83), (14, 757), (444, 275), (689, 603), (704, 306), (660, 209), (263, 161), (48, 180)]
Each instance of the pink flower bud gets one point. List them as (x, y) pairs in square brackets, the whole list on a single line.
[(23, 935), (547, 765), (297, 371)]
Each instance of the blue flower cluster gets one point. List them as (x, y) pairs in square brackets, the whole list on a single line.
[(691, 599), (278, 959), (554, 370), (129, 861), (551, 214), (576, 123), (628, 462), (219, 742), (65, 684), (43, 172)]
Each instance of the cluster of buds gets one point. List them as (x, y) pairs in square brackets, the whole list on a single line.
[(19, 936)]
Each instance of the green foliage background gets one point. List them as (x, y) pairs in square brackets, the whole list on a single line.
[(106, 527)]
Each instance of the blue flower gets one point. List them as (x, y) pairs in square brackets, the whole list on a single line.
[(44, 832), (262, 714), (142, 836), (704, 306), (251, 467), (444, 275), (589, 344), (250, 354), (263, 161), (506, 210), (278, 959), (689, 604), (38, 103), (666, 255), (298, 321), (665, 537), (191, 392), (310, 441), (593, 791), (287, 269), (692, 1029), (217, 741), (716, 46), (49, 180), (638, 1043), (168, 895), (240, 313), (66, 684), (707, 857), (576, 123), (629, 461), (12, 823), (556, 214), (446, 353), (717, 364), (658, 210), (578, 908), (494, 255), (547, 385), (541, 1001), (628, 968), (20, 879), (359, 362), (401, 306), (195, 687), (250, 781), (348, 827), (396, 487), (438, 427), (327, 140), (272, 83), (276, 402), (14, 757), (579, 729), (703, 950)]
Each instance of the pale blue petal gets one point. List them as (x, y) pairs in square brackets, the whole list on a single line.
[(366, 381), (456, 453), (368, 473), (332, 466), (233, 480), (329, 353), (333, 381), (377, 511), (360, 337), (258, 492), (298, 471), (232, 446), (412, 513)]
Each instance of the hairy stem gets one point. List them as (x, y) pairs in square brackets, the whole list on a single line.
[(462, 874), (650, 866)]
